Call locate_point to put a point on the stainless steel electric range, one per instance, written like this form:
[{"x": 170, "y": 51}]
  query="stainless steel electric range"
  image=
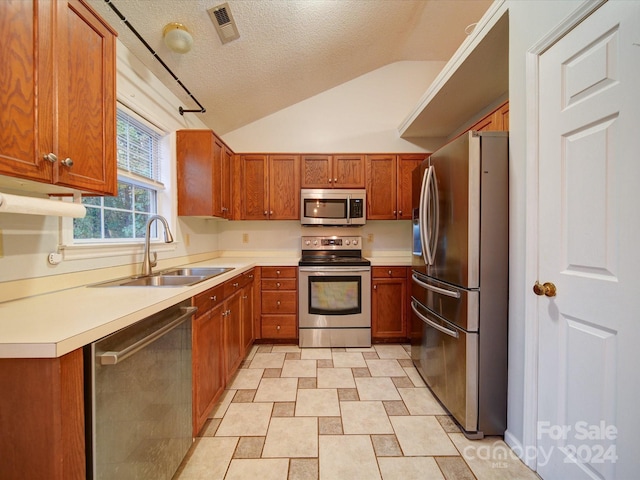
[{"x": 334, "y": 308}]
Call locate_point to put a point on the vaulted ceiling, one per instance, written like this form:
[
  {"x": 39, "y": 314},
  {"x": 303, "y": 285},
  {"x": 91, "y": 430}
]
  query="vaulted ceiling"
[{"x": 288, "y": 50}]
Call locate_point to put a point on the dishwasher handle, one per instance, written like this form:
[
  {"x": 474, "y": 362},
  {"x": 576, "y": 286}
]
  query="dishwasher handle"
[{"x": 112, "y": 358}]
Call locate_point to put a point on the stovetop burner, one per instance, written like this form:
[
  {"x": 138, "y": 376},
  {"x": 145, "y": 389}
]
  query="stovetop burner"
[{"x": 332, "y": 251}]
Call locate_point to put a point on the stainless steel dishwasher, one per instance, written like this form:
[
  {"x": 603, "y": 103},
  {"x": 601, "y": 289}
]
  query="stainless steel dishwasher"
[{"x": 138, "y": 398}]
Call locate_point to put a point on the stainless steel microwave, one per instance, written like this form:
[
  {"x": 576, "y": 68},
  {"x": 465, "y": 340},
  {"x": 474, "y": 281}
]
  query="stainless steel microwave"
[{"x": 319, "y": 206}]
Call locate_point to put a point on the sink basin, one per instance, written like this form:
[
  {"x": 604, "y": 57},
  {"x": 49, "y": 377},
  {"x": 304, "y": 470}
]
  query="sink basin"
[
  {"x": 197, "y": 271},
  {"x": 176, "y": 277}
]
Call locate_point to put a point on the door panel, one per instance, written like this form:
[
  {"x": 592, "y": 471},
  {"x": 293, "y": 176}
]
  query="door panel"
[{"x": 588, "y": 233}]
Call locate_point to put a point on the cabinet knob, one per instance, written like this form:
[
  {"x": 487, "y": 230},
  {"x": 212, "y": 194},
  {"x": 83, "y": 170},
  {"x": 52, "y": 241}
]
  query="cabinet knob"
[
  {"x": 50, "y": 157},
  {"x": 214, "y": 298},
  {"x": 265, "y": 213},
  {"x": 400, "y": 212},
  {"x": 67, "y": 162},
  {"x": 335, "y": 180},
  {"x": 278, "y": 284},
  {"x": 278, "y": 303},
  {"x": 389, "y": 272},
  {"x": 395, "y": 213},
  {"x": 329, "y": 180},
  {"x": 277, "y": 327},
  {"x": 277, "y": 272},
  {"x": 235, "y": 285},
  {"x": 375, "y": 287},
  {"x": 271, "y": 212}
]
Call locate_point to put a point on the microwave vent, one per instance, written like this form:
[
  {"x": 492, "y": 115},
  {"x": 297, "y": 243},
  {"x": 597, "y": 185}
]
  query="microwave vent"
[{"x": 224, "y": 23}]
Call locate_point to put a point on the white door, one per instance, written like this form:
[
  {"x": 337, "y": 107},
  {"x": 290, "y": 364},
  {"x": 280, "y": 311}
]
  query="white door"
[{"x": 589, "y": 248}]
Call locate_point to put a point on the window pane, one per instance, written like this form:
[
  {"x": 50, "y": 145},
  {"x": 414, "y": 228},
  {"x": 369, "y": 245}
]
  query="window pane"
[
  {"x": 144, "y": 200},
  {"x": 118, "y": 224},
  {"x": 89, "y": 226},
  {"x": 123, "y": 200},
  {"x": 141, "y": 223},
  {"x": 138, "y": 147}
]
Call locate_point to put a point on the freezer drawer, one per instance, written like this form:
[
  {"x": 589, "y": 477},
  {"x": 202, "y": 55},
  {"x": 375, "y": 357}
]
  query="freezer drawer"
[
  {"x": 457, "y": 305},
  {"x": 447, "y": 359}
]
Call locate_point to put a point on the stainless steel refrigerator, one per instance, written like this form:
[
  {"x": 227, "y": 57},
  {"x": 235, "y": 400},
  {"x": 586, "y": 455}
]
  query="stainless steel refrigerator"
[{"x": 459, "y": 289}]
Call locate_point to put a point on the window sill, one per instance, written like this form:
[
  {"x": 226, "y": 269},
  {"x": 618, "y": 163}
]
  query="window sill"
[{"x": 102, "y": 250}]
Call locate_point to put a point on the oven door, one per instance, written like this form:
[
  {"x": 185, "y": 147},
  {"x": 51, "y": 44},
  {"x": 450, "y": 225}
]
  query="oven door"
[{"x": 334, "y": 297}]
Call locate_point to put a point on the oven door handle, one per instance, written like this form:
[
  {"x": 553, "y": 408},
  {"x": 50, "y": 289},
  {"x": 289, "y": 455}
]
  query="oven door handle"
[
  {"x": 334, "y": 269},
  {"x": 431, "y": 323},
  {"x": 112, "y": 358},
  {"x": 433, "y": 288}
]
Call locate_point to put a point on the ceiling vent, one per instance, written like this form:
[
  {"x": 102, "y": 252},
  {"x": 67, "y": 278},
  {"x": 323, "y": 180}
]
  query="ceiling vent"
[{"x": 223, "y": 21}]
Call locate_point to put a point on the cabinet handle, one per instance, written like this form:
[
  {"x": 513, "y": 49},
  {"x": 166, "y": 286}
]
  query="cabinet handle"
[
  {"x": 235, "y": 285},
  {"x": 277, "y": 284},
  {"x": 329, "y": 180},
  {"x": 265, "y": 213},
  {"x": 277, "y": 272},
  {"x": 400, "y": 212},
  {"x": 67, "y": 162},
  {"x": 335, "y": 180},
  {"x": 271, "y": 212},
  {"x": 214, "y": 298},
  {"x": 389, "y": 272},
  {"x": 50, "y": 157},
  {"x": 395, "y": 213},
  {"x": 375, "y": 287},
  {"x": 278, "y": 303},
  {"x": 278, "y": 327},
  {"x": 245, "y": 297}
]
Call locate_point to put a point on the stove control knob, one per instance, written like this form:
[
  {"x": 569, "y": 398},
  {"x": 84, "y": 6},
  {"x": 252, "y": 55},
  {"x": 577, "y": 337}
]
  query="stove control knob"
[
  {"x": 348, "y": 242},
  {"x": 315, "y": 242},
  {"x": 355, "y": 241},
  {"x": 307, "y": 242}
]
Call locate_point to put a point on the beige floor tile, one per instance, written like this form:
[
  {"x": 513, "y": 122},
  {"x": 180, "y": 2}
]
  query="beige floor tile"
[
  {"x": 386, "y": 446},
  {"x": 315, "y": 353},
  {"x": 360, "y": 349},
  {"x": 246, "y": 378},
  {"x": 249, "y": 447},
  {"x": 454, "y": 468},
  {"x": 272, "y": 372},
  {"x": 370, "y": 355},
  {"x": 330, "y": 426},
  {"x": 317, "y": 402},
  {"x": 422, "y": 436},
  {"x": 222, "y": 405},
  {"x": 415, "y": 377},
  {"x": 291, "y": 437},
  {"x": 350, "y": 359},
  {"x": 405, "y": 362},
  {"x": 338, "y": 349},
  {"x": 409, "y": 468},
  {"x": 395, "y": 408},
  {"x": 402, "y": 382},
  {"x": 448, "y": 424},
  {"x": 307, "y": 382},
  {"x": 277, "y": 390},
  {"x": 299, "y": 368},
  {"x": 264, "y": 348},
  {"x": 391, "y": 351},
  {"x": 244, "y": 396},
  {"x": 325, "y": 363},
  {"x": 365, "y": 418},
  {"x": 492, "y": 459},
  {"x": 284, "y": 409},
  {"x": 385, "y": 368},
  {"x": 347, "y": 457},
  {"x": 262, "y": 468},
  {"x": 209, "y": 428},
  {"x": 208, "y": 459},
  {"x": 360, "y": 372},
  {"x": 245, "y": 419},
  {"x": 376, "y": 388},
  {"x": 420, "y": 401},
  {"x": 285, "y": 348},
  {"x": 348, "y": 394},
  {"x": 303, "y": 469},
  {"x": 293, "y": 356},
  {"x": 267, "y": 360},
  {"x": 335, "y": 378}
]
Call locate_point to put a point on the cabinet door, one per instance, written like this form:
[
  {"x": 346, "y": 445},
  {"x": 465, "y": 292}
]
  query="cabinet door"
[
  {"x": 196, "y": 159},
  {"x": 226, "y": 209},
  {"x": 247, "y": 316},
  {"x": 26, "y": 133},
  {"x": 406, "y": 164},
  {"x": 316, "y": 171},
  {"x": 348, "y": 171},
  {"x": 232, "y": 322},
  {"x": 388, "y": 305},
  {"x": 255, "y": 189},
  {"x": 86, "y": 103},
  {"x": 284, "y": 187},
  {"x": 381, "y": 187},
  {"x": 208, "y": 374}
]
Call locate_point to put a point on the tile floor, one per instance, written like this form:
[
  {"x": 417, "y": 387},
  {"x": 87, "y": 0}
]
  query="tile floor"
[{"x": 334, "y": 414}]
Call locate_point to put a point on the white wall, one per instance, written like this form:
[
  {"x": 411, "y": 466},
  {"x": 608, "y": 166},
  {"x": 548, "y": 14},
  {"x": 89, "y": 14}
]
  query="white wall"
[
  {"x": 529, "y": 21},
  {"x": 359, "y": 116}
]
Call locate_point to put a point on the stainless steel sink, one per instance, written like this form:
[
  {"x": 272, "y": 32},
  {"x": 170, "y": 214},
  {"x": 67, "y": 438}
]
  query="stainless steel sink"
[
  {"x": 197, "y": 271},
  {"x": 177, "y": 277}
]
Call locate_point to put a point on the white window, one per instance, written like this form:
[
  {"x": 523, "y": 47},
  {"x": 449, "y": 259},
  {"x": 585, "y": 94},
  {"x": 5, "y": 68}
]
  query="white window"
[{"x": 123, "y": 218}]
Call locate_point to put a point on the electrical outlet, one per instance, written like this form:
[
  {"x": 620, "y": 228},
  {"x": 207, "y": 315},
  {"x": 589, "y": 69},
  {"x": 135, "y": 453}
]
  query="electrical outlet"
[
  {"x": 245, "y": 238},
  {"x": 370, "y": 238}
]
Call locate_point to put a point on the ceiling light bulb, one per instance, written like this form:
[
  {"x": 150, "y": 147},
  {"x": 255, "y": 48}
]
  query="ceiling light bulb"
[{"x": 177, "y": 37}]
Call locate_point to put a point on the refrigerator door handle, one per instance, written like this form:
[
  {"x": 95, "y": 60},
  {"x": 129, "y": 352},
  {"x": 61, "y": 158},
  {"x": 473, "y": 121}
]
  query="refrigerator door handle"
[
  {"x": 433, "y": 288},
  {"x": 422, "y": 214},
  {"x": 445, "y": 330},
  {"x": 434, "y": 214}
]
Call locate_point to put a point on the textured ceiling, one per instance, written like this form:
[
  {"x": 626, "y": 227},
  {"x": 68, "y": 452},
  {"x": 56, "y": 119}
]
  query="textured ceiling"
[{"x": 288, "y": 50}]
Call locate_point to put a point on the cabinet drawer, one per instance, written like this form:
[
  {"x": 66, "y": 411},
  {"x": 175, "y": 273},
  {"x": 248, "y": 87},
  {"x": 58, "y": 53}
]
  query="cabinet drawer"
[
  {"x": 284, "y": 284},
  {"x": 232, "y": 286},
  {"x": 208, "y": 299},
  {"x": 279, "y": 326},
  {"x": 279, "y": 272},
  {"x": 279, "y": 302},
  {"x": 388, "y": 272}
]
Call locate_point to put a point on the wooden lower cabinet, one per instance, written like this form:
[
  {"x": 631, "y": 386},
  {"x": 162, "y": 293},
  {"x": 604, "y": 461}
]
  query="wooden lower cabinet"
[
  {"x": 42, "y": 418},
  {"x": 279, "y": 303},
  {"x": 388, "y": 303}
]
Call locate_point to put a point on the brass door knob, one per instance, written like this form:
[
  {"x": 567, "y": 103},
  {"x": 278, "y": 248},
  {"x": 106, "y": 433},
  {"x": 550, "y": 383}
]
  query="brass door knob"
[{"x": 548, "y": 289}]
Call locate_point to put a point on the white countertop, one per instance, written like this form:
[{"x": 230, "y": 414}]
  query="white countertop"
[{"x": 54, "y": 324}]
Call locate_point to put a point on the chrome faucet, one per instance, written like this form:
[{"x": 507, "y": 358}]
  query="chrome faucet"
[{"x": 147, "y": 263}]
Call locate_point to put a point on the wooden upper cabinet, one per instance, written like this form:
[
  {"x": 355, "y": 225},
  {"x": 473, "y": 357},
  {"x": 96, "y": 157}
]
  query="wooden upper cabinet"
[
  {"x": 389, "y": 185},
  {"x": 269, "y": 187},
  {"x": 332, "y": 171},
  {"x": 204, "y": 174},
  {"x": 57, "y": 95},
  {"x": 496, "y": 121}
]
